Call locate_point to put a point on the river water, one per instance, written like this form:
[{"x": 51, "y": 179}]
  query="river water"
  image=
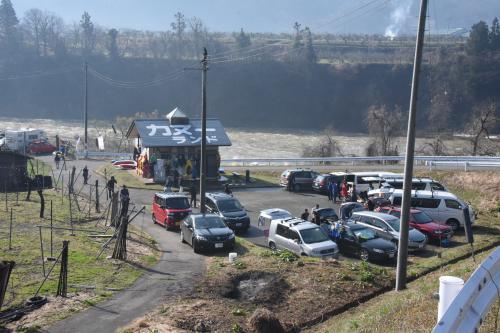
[{"x": 245, "y": 143}]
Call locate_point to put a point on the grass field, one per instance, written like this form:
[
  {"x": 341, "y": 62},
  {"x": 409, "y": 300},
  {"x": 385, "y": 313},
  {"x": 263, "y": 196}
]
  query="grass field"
[{"x": 102, "y": 275}]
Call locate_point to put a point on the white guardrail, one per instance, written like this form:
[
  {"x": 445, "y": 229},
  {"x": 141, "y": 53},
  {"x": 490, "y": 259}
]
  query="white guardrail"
[{"x": 469, "y": 308}]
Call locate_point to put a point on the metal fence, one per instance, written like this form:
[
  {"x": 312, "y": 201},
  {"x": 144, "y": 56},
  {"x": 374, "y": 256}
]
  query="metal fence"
[{"x": 472, "y": 304}]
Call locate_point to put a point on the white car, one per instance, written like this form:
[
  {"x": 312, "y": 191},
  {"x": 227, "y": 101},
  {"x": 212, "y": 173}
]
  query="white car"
[
  {"x": 439, "y": 205},
  {"x": 301, "y": 237}
]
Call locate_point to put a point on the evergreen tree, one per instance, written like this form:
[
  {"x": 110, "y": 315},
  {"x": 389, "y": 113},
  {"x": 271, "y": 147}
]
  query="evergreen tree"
[
  {"x": 478, "y": 41},
  {"x": 89, "y": 37},
  {"x": 242, "y": 39},
  {"x": 297, "y": 42},
  {"x": 495, "y": 35},
  {"x": 8, "y": 27},
  {"x": 310, "y": 53},
  {"x": 113, "y": 44}
]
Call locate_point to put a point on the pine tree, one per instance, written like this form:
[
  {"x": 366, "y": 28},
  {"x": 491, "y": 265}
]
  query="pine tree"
[
  {"x": 89, "y": 37},
  {"x": 297, "y": 43},
  {"x": 242, "y": 39},
  {"x": 8, "y": 26},
  {"x": 478, "y": 41},
  {"x": 113, "y": 44},
  {"x": 310, "y": 53},
  {"x": 495, "y": 35}
]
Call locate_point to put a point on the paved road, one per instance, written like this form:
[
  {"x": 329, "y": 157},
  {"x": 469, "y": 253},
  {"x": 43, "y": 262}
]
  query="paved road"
[{"x": 174, "y": 275}]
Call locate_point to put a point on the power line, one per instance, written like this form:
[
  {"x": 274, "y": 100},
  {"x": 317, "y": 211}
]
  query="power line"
[{"x": 40, "y": 74}]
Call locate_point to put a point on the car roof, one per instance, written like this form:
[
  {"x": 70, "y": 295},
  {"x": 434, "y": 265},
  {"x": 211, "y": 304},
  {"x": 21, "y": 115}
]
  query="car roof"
[
  {"x": 200, "y": 216},
  {"x": 355, "y": 226},
  {"x": 398, "y": 209},
  {"x": 219, "y": 196},
  {"x": 297, "y": 223},
  {"x": 323, "y": 208},
  {"x": 383, "y": 216},
  {"x": 414, "y": 180},
  {"x": 428, "y": 194},
  {"x": 165, "y": 195},
  {"x": 274, "y": 211},
  {"x": 370, "y": 173}
]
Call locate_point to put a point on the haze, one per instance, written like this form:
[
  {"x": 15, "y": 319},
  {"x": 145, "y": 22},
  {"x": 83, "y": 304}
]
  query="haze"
[{"x": 271, "y": 16}]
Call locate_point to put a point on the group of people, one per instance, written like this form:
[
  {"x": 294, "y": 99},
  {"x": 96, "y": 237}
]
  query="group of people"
[
  {"x": 341, "y": 191},
  {"x": 124, "y": 194}
]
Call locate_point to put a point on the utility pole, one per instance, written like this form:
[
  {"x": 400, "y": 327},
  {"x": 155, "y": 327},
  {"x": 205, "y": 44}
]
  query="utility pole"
[
  {"x": 410, "y": 149},
  {"x": 85, "y": 110},
  {"x": 203, "y": 164}
]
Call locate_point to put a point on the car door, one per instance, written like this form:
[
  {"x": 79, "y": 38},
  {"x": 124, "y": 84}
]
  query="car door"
[
  {"x": 293, "y": 242},
  {"x": 348, "y": 242},
  {"x": 281, "y": 236},
  {"x": 210, "y": 205},
  {"x": 381, "y": 228},
  {"x": 452, "y": 210},
  {"x": 187, "y": 229}
]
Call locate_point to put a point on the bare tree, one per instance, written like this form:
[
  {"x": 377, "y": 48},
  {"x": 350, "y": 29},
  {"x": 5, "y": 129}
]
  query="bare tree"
[
  {"x": 178, "y": 26},
  {"x": 32, "y": 24},
  {"x": 484, "y": 118},
  {"x": 384, "y": 126},
  {"x": 327, "y": 146}
]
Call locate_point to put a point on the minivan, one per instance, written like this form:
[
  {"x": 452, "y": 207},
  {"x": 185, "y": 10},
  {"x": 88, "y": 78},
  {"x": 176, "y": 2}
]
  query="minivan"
[
  {"x": 169, "y": 209},
  {"x": 301, "y": 237},
  {"x": 419, "y": 184},
  {"x": 362, "y": 180},
  {"x": 439, "y": 205},
  {"x": 303, "y": 179}
]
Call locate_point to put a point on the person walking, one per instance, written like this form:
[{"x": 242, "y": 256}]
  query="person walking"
[
  {"x": 192, "y": 191},
  {"x": 168, "y": 184},
  {"x": 111, "y": 186},
  {"x": 305, "y": 215},
  {"x": 335, "y": 192},
  {"x": 329, "y": 190},
  {"x": 85, "y": 174}
]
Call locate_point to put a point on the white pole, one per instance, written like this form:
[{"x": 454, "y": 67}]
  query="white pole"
[{"x": 449, "y": 287}]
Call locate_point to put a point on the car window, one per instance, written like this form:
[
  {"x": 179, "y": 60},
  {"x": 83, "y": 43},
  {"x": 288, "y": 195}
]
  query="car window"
[
  {"x": 306, "y": 174},
  {"x": 395, "y": 213},
  {"x": 230, "y": 205},
  {"x": 452, "y": 204},
  {"x": 421, "y": 218},
  {"x": 365, "y": 234},
  {"x": 293, "y": 235},
  {"x": 396, "y": 185},
  {"x": 417, "y": 186},
  {"x": 208, "y": 222},
  {"x": 425, "y": 202},
  {"x": 349, "y": 178},
  {"x": 396, "y": 201},
  {"x": 159, "y": 201},
  {"x": 313, "y": 235},
  {"x": 437, "y": 187},
  {"x": 189, "y": 220},
  {"x": 210, "y": 204},
  {"x": 177, "y": 203},
  {"x": 365, "y": 219},
  {"x": 281, "y": 230},
  {"x": 378, "y": 223}
]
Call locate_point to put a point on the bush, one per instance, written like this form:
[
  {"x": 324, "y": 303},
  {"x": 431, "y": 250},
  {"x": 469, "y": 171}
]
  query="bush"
[{"x": 285, "y": 255}]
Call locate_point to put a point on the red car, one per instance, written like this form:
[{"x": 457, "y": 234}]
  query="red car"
[
  {"x": 421, "y": 221},
  {"x": 40, "y": 147},
  {"x": 169, "y": 209}
]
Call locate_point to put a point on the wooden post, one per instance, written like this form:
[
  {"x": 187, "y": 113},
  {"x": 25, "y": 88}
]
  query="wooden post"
[
  {"x": 10, "y": 231},
  {"x": 62, "y": 286},
  {"x": 51, "y": 231},
  {"x": 41, "y": 249},
  {"x": 97, "y": 209},
  {"x": 114, "y": 209}
]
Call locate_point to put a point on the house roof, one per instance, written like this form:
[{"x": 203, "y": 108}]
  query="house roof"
[{"x": 162, "y": 133}]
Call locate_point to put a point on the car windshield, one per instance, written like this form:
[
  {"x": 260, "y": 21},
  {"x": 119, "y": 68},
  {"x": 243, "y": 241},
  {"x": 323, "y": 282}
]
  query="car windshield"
[
  {"x": 313, "y": 235},
  {"x": 227, "y": 206},
  {"x": 365, "y": 234},
  {"x": 208, "y": 222},
  {"x": 394, "y": 223},
  {"x": 327, "y": 213},
  {"x": 177, "y": 203},
  {"x": 280, "y": 215},
  {"x": 421, "y": 218}
]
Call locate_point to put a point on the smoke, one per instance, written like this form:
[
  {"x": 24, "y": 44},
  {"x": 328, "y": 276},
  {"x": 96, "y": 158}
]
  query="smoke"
[{"x": 399, "y": 16}]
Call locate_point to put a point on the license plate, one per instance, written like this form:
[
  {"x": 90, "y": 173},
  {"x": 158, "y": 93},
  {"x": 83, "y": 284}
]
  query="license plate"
[
  {"x": 391, "y": 255},
  {"x": 421, "y": 245},
  {"x": 238, "y": 224},
  {"x": 219, "y": 245}
]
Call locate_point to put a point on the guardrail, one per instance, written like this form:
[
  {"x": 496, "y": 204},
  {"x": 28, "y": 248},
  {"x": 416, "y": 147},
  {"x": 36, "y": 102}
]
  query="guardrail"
[
  {"x": 104, "y": 154},
  {"x": 468, "y": 310}
]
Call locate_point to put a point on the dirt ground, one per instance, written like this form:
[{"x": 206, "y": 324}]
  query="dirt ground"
[{"x": 297, "y": 292}]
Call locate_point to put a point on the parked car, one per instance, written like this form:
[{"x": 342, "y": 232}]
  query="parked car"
[
  {"x": 439, "y": 205},
  {"x": 206, "y": 232},
  {"x": 419, "y": 184},
  {"x": 326, "y": 214},
  {"x": 320, "y": 183},
  {"x": 301, "y": 237},
  {"x": 421, "y": 221},
  {"x": 362, "y": 180},
  {"x": 169, "y": 209},
  {"x": 229, "y": 209},
  {"x": 40, "y": 147},
  {"x": 303, "y": 179},
  {"x": 359, "y": 240},
  {"x": 267, "y": 215},
  {"x": 347, "y": 208},
  {"x": 387, "y": 227}
]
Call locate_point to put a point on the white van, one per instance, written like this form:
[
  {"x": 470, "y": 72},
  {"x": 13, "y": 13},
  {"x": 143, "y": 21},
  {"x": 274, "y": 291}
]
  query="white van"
[
  {"x": 362, "y": 180},
  {"x": 440, "y": 205},
  {"x": 419, "y": 184},
  {"x": 302, "y": 238}
]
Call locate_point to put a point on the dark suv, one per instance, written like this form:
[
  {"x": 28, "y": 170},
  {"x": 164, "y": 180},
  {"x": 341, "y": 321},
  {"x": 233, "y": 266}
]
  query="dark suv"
[
  {"x": 229, "y": 209},
  {"x": 303, "y": 178},
  {"x": 320, "y": 183}
]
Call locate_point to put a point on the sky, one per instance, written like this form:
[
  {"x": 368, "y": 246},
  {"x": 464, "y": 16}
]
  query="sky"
[{"x": 337, "y": 16}]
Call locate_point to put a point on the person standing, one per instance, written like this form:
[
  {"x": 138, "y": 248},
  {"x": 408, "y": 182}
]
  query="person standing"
[
  {"x": 111, "y": 186},
  {"x": 57, "y": 160},
  {"x": 329, "y": 190},
  {"x": 335, "y": 192},
  {"x": 354, "y": 195},
  {"x": 343, "y": 190},
  {"x": 85, "y": 174},
  {"x": 227, "y": 190},
  {"x": 305, "y": 215},
  {"x": 192, "y": 191}
]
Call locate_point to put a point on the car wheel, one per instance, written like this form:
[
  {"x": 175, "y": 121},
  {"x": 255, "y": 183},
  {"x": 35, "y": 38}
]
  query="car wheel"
[
  {"x": 153, "y": 218},
  {"x": 182, "y": 237},
  {"x": 296, "y": 187},
  {"x": 364, "y": 255},
  {"x": 196, "y": 247},
  {"x": 454, "y": 224},
  {"x": 272, "y": 246}
]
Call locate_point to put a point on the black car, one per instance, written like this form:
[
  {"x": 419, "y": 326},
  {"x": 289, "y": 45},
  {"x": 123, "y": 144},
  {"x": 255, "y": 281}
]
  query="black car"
[
  {"x": 326, "y": 214},
  {"x": 361, "y": 241},
  {"x": 229, "y": 209},
  {"x": 206, "y": 232},
  {"x": 320, "y": 183}
]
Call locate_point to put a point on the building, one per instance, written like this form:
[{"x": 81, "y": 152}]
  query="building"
[
  {"x": 172, "y": 146},
  {"x": 13, "y": 171}
]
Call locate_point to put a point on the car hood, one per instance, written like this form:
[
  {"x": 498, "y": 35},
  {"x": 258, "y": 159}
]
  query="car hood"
[
  {"x": 416, "y": 236},
  {"x": 379, "y": 243},
  {"x": 239, "y": 213},
  {"x": 214, "y": 231},
  {"x": 432, "y": 226},
  {"x": 321, "y": 246}
]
